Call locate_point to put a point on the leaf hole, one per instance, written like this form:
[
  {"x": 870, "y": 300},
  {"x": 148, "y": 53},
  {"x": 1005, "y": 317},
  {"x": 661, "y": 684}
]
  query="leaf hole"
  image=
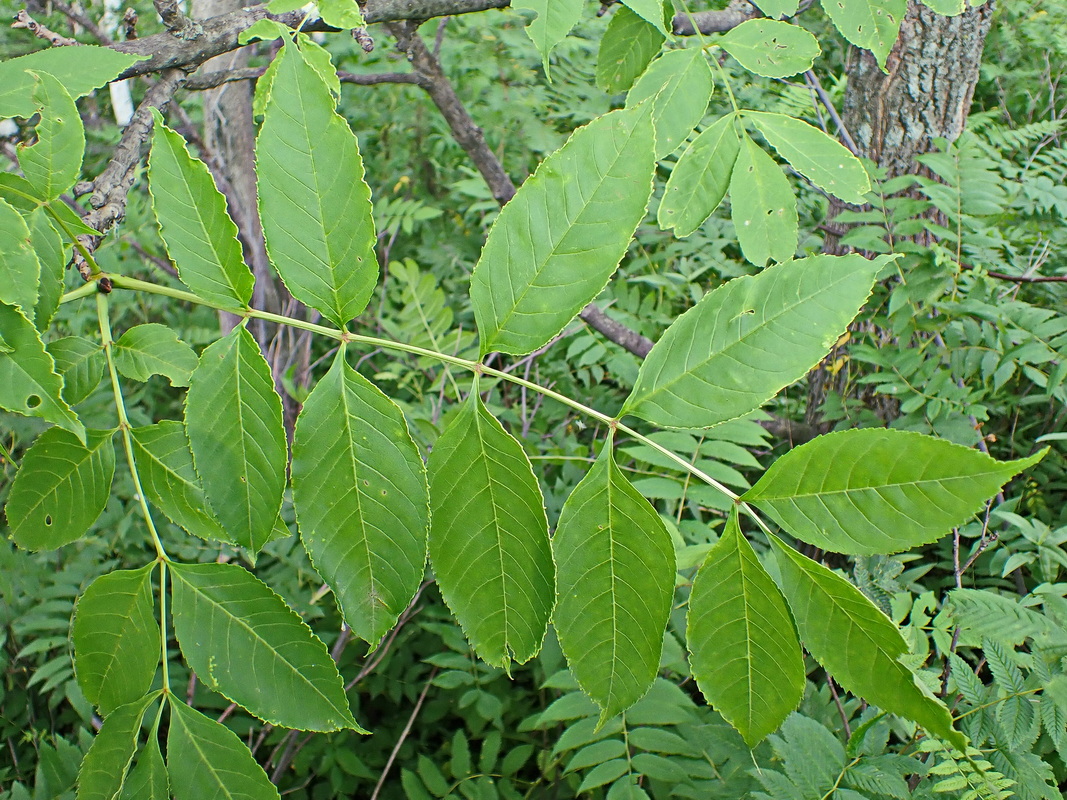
[
  {"x": 33, "y": 401},
  {"x": 47, "y": 519}
]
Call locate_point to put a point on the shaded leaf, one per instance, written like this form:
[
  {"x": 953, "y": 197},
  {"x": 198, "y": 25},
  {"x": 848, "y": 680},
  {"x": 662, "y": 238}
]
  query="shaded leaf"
[
  {"x": 745, "y": 655},
  {"x": 560, "y": 238},
  {"x": 234, "y": 420},
  {"x": 770, "y": 48},
  {"x": 198, "y": 232},
  {"x": 148, "y": 778},
  {"x": 343, "y": 14},
  {"x": 652, "y": 12},
  {"x": 154, "y": 349},
  {"x": 314, "y": 202},
  {"x": 553, "y": 22},
  {"x": 60, "y": 489},
  {"x": 369, "y": 541},
  {"x": 489, "y": 537},
  {"x": 52, "y": 254},
  {"x": 870, "y": 24},
  {"x": 874, "y": 491},
  {"x": 628, "y": 45},
  {"x": 711, "y": 364},
  {"x": 53, "y": 162},
  {"x": 680, "y": 83},
  {"x": 244, "y": 642},
  {"x": 775, "y": 9},
  {"x": 615, "y": 581},
  {"x": 856, "y": 642},
  {"x": 763, "y": 207},
  {"x": 104, "y": 769},
  {"x": 699, "y": 180},
  {"x": 80, "y": 362},
  {"x": 20, "y": 270},
  {"x": 116, "y": 638}
]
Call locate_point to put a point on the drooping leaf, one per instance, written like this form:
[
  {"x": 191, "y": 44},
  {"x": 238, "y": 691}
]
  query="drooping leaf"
[
  {"x": 629, "y": 43},
  {"x": 770, "y": 48},
  {"x": 680, "y": 83},
  {"x": 615, "y": 563},
  {"x": 368, "y": 542},
  {"x": 309, "y": 165},
  {"x": 148, "y": 778},
  {"x": 79, "y": 69},
  {"x": 52, "y": 255},
  {"x": 234, "y": 420},
  {"x": 198, "y": 232},
  {"x": 699, "y": 180},
  {"x": 105, "y": 767},
  {"x": 875, "y": 490},
  {"x": 154, "y": 349},
  {"x": 762, "y": 205},
  {"x": 206, "y": 760},
  {"x": 116, "y": 638},
  {"x": 20, "y": 270},
  {"x": 856, "y": 642},
  {"x": 697, "y": 375},
  {"x": 60, "y": 489},
  {"x": 776, "y": 9},
  {"x": 870, "y": 24},
  {"x": 815, "y": 155},
  {"x": 553, "y": 22},
  {"x": 244, "y": 642},
  {"x": 315, "y": 55},
  {"x": 343, "y": 14},
  {"x": 29, "y": 384},
  {"x": 651, "y": 11},
  {"x": 745, "y": 655},
  {"x": 80, "y": 362},
  {"x": 53, "y": 162},
  {"x": 165, "y": 464},
  {"x": 556, "y": 244},
  {"x": 489, "y": 537}
]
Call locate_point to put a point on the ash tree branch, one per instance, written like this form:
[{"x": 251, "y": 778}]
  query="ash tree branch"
[
  {"x": 176, "y": 22},
  {"x": 24, "y": 20}
]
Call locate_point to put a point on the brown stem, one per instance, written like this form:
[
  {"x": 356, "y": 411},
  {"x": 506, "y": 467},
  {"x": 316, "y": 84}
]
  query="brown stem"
[
  {"x": 24, "y": 20},
  {"x": 176, "y": 22}
]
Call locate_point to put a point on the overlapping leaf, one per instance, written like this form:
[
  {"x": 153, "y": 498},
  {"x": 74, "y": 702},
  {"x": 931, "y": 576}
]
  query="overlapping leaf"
[
  {"x": 489, "y": 537},
  {"x": 368, "y": 542},
  {"x": 105, "y": 767},
  {"x": 80, "y": 362},
  {"x": 206, "y": 760},
  {"x": 615, "y": 581},
  {"x": 154, "y": 349},
  {"x": 28, "y": 381},
  {"x": 60, "y": 489},
  {"x": 856, "y": 642},
  {"x": 629, "y": 43},
  {"x": 770, "y": 48},
  {"x": 775, "y": 9},
  {"x": 870, "y": 24},
  {"x": 116, "y": 638},
  {"x": 148, "y": 778},
  {"x": 314, "y": 202},
  {"x": 679, "y": 83},
  {"x": 52, "y": 254},
  {"x": 699, "y": 180},
  {"x": 169, "y": 480},
  {"x": 234, "y": 420},
  {"x": 556, "y": 244},
  {"x": 712, "y": 364},
  {"x": 744, "y": 650},
  {"x": 762, "y": 206},
  {"x": 198, "y": 232},
  {"x": 651, "y": 11},
  {"x": 53, "y": 162},
  {"x": 875, "y": 490},
  {"x": 20, "y": 271},
  {"x": 553, "y": 22},
  {"x": 244, "y": 642}
]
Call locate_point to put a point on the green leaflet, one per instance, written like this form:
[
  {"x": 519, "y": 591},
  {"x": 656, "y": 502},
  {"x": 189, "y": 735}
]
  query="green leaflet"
[
  {"x": 206, "y": 760},
  {"x": 615, "y": 581},
  {"x": 651, "y": 11},
  {"x": 154, "y": 349},
  {"x": 169, "y": 480},
  {"x": 856, "y": 642},
  {"x": 60, "y": 489},
  {"x": 80, "y": 362},
  {"x": 20, "y": 271},
  {"x": 79, "y": 69},
  {"x": 116, "y": 638},
  {"x": 699, "y": 180},
  {"x": 53, "y": 162},
  {"x": 234, "y": 420},
  {"x": 680, "y": 83},
  {"x": 628, "y": 45},
  {"x": 870, "y": 24},
  {"x": 489, "y": 537},
  {"x": 245, "y": 643},
  {"x": 696, "y": 375},
  {"x": 815, "y": 155},
  {"x": 872, "y": 491},
  {"x": 744, "y": 650},
  {"x": 359, "y": 489},
  {"x": 343, "y": 14},
  {"x": 770, "y": 48},
  {"x": 776, "y": 9},
  {"x": 556, "y": 244},
  {"x": 105, "y": 767},
  {"x": 553, "y": 22},
  {"x": 762, "y": 205},
  {"x": 946, "y": 8},
  {"x": 200, "y": 236},
  {"x": 52, "y": 255},
  {"x": 148, "y": 778},
  {"x": 314, "y": 202},
  {"x": 315, "y": 55},
  {"x": 29, "y": 384}
]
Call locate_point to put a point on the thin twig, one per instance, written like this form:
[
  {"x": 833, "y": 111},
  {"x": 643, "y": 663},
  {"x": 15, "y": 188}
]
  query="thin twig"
[
  {"x": 24, "y": 20},
  {"x": 813, "y": 81},
  {"x": 403, "y": 734}
]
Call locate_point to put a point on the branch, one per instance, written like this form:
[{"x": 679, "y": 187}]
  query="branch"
[
  {"x": 1028, "y": 278},
  {"x": 77, "y": 17},
  {"x": 24, "y": 20},
  {"x": 210, "y": 80},
  {"x": 176, "y": 22},
  {"x": 705, "y": 22}
]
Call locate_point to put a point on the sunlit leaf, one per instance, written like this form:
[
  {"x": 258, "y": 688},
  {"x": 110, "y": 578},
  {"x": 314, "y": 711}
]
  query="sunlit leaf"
[
  {"x": 699, "y": 180},
  {"x": 53, "y": 162},
  {"x": 627, "y": 46},
  {"x": 343, "y": 14},
  {"x": 876, "y": 490},
  {"x": 870, "y": 24},
  {"x": 775, "y": 9},
  {"x": 489, "y": 537},
  {"x": 770, "y": 48},
  {"x": 154, "y": 349},
  {"x": 651, "y": 11},
  {"x": 615, "y": 563},
  {"x": 680, "y": 83},
  {"x": 52, "y": 254},
  {"x": 763, "y": 207},
  {"x": 553, "y": 22}
]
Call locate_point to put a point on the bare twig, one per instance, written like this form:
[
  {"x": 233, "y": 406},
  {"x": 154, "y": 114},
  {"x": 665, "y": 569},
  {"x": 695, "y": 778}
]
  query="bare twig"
[
  {"x": 705, "y": 22},
  {"x": 403, "y": 735},
  {"x": 816, "y": 86},
  {"x": 24, "y": 20},
  {"x": 76, "y": 16},
  {"x": 176, "y": 22}
]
